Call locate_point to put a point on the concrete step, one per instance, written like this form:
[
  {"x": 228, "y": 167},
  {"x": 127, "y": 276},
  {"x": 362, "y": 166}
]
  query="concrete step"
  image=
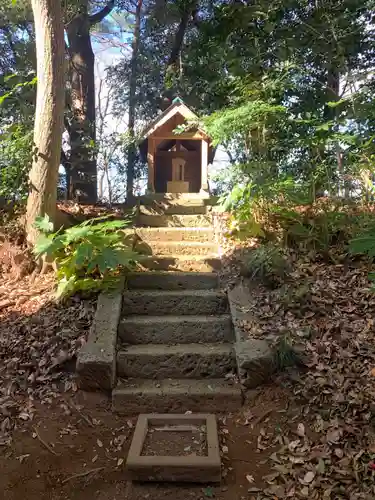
[
  {"x": 183, "y": 248},
  {"x": 157, "y": 361},
  {"x": 201, "y": 234},
  {"x": 169, "y": 280},
  {"x": 134, "y": 396},
  {"x": 178, "y": 199},
  {"x": 194, "y": 263},
  {"x": 176, "y": 329},
  {"x": 174, "y": 220},
  {"x": 159, "y": 208},
  {"x": 176, "y": 303}
]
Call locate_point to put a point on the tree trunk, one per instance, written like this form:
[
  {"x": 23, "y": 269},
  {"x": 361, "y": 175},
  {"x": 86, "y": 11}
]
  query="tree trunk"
[
  {"x": 49, "y": 113},
  {"x": 131, "y": 157},
  {"x": 83, "y": 186},
  {"x": 82, "y": 131}
]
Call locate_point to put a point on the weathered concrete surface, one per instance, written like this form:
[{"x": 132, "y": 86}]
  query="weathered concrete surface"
[
  {"x": 133, "y": 396},
  {"x": 174, "y": 220},
  {"x": 188, "y": 208},
  {"x": 187, "y": 468},
  {"x": 194, "y": 263},
  {"x": 176, "y": 361},
  {"x": 169, "y": 280},
  {"x": 184, "y": 248},
  {"x": 96, "y": 361},
  {"x": 178, "y": 199},
  {"x": 255, "y": 358},
  {"x": 181, "y": 302},
  {"x": 255, "y": 362},
  {"x": 176, "y": 329},
  {"x": 176, "y": 233}
]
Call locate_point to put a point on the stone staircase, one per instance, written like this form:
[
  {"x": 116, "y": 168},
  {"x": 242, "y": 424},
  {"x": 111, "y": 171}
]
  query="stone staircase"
[{"x": 175, "y": 338}]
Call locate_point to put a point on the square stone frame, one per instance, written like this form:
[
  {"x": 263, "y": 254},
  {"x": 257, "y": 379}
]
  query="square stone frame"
[{"x": 194, "y": 469}]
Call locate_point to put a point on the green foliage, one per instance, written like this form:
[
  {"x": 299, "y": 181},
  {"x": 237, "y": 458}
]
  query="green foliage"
[
  {"x": 15, "y": 161},
  {"x": 265, "y": 263},
  {"x": 88, "y": 256},
  {"x": 364, "y": 243},
  {"x": 285, "y": 354}
]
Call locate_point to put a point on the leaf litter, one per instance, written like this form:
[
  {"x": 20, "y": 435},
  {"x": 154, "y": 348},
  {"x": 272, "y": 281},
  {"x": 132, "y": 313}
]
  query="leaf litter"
[
  {"x": 39, "y": 340},
  {"x": 328, "y": 313},
  {"x": 328, "y": 449}
]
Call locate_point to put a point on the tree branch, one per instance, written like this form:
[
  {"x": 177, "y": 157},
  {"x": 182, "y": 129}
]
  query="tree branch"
[
  {"x": 99, "y": 16},
  {"x": 179, "y": 38},
  {"x": 190, "y": 10}
]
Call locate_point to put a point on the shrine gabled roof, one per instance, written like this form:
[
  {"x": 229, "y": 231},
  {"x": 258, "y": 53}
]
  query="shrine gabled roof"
[{"x": 177, "y": 107}]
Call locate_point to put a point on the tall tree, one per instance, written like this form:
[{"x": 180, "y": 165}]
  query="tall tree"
[
  {"x": 81, "y": 123},
  {"x": 48, "y": 125},
  {"x": 131, "y": 157}
]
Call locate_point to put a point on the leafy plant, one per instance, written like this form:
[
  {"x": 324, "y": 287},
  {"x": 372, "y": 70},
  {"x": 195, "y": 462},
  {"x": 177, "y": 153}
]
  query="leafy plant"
[
  {"x": 285, "y": 354},
  {"x": 15, "y": 161},
  {"x": 265, "y": 263},
  {"x": 364, "y": 243},
  {"x": 88, "y": 256}
]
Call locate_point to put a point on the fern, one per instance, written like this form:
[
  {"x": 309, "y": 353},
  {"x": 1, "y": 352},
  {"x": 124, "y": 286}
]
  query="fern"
[{"x": 88, "y": 256}]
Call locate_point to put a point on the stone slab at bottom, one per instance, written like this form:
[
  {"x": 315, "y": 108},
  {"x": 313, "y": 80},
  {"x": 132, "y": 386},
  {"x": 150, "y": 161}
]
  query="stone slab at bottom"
[
  {"x": 134, "y": 396},
  {"x": 175, "y": 468}
]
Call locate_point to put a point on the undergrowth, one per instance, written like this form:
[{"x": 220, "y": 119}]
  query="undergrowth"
[{"x": 87, "y": 257}]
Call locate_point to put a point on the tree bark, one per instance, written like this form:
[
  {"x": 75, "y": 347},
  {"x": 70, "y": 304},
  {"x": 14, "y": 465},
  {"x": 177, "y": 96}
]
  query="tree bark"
[
  {"x": 189, "y": 11},
  {"x": 131, "y": 156},
  {"x": 83, "y": 186},
  {"x": 49, "y": 113}
]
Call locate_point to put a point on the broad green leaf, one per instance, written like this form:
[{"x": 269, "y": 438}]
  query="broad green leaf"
[
  {"x": 66, "y": 287},
  {"x": 43, "y": 224},
  {"x": 83, "y": 254},
  {"x": 48, "y": 245},
  {"x": 74, "y": 234}
]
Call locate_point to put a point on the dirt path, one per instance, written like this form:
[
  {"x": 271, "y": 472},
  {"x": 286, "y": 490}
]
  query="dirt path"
[{"x": 76, "y": 449}]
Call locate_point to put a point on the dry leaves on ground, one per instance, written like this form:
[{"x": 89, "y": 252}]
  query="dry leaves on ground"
[
  {"x": 39, "y": 340},
  {"x": 329, "y": 312}
]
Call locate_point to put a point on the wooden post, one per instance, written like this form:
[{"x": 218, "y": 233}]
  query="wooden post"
[
  {"x": 204, "y": 167},
  {"x": 151, "y": 166}
]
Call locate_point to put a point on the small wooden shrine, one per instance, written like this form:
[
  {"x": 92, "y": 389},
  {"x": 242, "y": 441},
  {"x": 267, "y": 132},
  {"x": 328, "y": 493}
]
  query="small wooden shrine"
[{"x": 177, "y": 162}]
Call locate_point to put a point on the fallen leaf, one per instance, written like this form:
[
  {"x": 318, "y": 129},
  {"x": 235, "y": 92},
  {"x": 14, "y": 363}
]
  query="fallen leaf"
[
  {"x": 301, "y": 430},
  {"x": 309, "y": 476}
]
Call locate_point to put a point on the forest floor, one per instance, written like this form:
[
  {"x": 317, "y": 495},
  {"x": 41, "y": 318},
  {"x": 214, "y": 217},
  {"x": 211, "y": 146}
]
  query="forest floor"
[{"x": 308, "y": 434}]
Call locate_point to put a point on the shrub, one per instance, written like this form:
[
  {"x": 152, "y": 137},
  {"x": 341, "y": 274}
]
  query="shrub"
[
  {"x": 88, "y": 256},
  {"x": 265, "y": 263}
]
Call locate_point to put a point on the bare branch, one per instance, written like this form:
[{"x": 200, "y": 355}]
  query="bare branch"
[{"x": 99, "y": 16}]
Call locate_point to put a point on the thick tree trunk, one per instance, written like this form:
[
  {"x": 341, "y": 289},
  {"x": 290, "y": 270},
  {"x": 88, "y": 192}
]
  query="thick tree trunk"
[
  {"x": 131, "y": 157},
  {"x": 82, "y": 131},
  {"x": 49, "y": 112},
  {"x": 83, "y": 186}
]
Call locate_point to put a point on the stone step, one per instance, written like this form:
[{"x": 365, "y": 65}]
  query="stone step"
[
  {"x": 174, "y": 209},
  {"x": 134, "y": 396},
  {"x": 178, "y": 199},
  {"x": 201, "y": 234},
  {"x": 174, "y": 220},
  {"x": 175, "y": 302},
  {"x": 169, "y": 280},
  {"x": 193, "y": 263},
  {"x": 183, "y": 248},
  {"x": 176, "y": 329},
  {"x": 157, "y": 361}
]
